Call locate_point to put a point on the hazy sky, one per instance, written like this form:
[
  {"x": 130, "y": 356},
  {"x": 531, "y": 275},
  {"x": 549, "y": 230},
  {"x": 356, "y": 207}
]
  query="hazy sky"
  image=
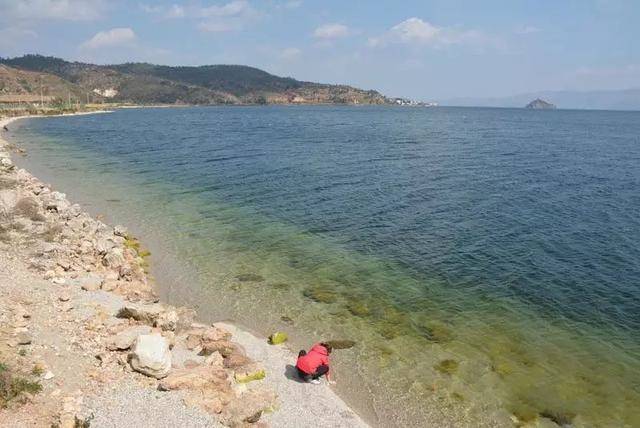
[{"x": 419, "y": 49}]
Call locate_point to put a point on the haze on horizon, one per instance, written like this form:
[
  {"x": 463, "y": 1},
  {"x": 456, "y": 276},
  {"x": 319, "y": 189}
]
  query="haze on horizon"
[{"x": 424, "y": 50}]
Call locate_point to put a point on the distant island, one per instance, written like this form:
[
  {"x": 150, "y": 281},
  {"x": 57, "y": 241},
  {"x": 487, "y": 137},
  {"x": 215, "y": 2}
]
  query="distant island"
[
  {"x": 54, "y": 79},
  {"x": 539, "y": 104}
]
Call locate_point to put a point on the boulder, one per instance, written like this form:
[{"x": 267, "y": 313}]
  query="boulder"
[
  {"x": 167, "y": 320},
  {"x": 236, "y": 360},
  {"x": 151, "y": 356},
  {"x": 125, "y": 339},
  {"x": 224, "y": 347},
  {"x": 249, "y": 407},
  {"x": 147, "y": 314},
  {"x": 198, "y": 378}
]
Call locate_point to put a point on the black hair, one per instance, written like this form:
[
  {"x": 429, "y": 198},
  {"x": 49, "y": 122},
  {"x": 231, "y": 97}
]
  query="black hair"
[{"x": 327, "y": 346}]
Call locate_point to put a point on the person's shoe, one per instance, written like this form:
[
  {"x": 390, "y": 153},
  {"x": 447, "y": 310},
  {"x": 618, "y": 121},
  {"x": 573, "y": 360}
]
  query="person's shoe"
[{"x": 315, "y": 381}]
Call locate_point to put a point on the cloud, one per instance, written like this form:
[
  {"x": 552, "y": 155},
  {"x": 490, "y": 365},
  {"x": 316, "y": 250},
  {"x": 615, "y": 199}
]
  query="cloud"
[
  {"x": 231, "y": 16},
  {"x": 111, "y": 38},
  {"x": 68, "y": 10},
  {"x": 528, "y": 29},
  {"x": 331, "y": 31},
  {"x": 416, "y": 32},
  {"x": 290, "y": 53},
  {"x": 10, "y": 36}
]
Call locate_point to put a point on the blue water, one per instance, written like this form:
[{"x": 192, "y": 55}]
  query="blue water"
[{"x": 505, "y": 239}]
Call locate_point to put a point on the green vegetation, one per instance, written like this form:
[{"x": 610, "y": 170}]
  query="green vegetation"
[{"x": 13, "y": 385}]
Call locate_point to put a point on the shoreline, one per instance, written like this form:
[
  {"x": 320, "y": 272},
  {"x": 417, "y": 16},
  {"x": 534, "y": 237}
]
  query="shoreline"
[{"x": 292, "y": 395}]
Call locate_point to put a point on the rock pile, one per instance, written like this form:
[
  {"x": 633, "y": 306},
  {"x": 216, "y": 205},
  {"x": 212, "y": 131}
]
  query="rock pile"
[{"x": 81, "y": 257}]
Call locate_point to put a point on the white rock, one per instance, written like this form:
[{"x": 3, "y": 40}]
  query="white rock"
[
  {"x": 114, "y": 258},
  {"x": 151, "y": 356},
  {"x": 126, "y": 338},
  {"x": 48, "y": 375},
  {"x": 88, "y": 283},
  {"x": 120, "y": 231}
]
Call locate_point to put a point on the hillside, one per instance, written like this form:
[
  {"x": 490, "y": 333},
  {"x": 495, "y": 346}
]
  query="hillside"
[
  {"x": 20, "y": 83},
  {"x": 142, "y": 83}
]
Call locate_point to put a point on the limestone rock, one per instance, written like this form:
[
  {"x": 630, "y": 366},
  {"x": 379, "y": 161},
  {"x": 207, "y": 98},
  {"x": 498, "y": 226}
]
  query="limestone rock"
[
  {"x": 249, "y": 407},
  {"x": 88, "y": 283},
  {"x": 119, "y": 230},
  {"x": 224, "y": 347},
  {"x": 147, "y": 314},
  {"x": 198, "y": 378},
  {"x": 235, "y": 360},
  {"x": 126, "y": 338},
  {"x": 151, "y": 356},
  {"x": 114, "y": 258}
]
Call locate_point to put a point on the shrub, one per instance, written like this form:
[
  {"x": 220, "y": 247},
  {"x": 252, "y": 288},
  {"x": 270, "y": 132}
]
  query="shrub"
[{"x": 29, "y": 208}]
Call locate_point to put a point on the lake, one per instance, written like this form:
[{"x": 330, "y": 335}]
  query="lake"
[{"x": 485, "y": 261}]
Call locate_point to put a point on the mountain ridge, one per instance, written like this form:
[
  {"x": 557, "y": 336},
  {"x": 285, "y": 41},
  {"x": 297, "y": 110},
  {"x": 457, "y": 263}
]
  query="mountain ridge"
[{"x": 145, "y": 83}]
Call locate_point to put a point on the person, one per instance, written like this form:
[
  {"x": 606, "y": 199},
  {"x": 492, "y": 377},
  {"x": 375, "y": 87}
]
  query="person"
[
  {"x": 314, "y": 364},
  {"x": 5, "y": 128}
]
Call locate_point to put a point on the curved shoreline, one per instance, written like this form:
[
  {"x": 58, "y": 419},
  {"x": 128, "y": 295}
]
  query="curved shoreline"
[{"x": 293, "y": 396}]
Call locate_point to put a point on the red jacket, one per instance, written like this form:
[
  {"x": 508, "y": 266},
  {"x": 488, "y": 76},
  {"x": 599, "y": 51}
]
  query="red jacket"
[{"x": 316, "y": 357}]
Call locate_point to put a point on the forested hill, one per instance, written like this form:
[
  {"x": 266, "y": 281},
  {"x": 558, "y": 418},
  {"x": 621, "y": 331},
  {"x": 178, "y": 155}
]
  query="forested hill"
[{"x": 142, "y": 83}]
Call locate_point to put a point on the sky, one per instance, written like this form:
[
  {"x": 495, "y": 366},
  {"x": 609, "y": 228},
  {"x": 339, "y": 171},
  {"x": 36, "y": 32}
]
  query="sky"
[{"x": 424, "y": 50}]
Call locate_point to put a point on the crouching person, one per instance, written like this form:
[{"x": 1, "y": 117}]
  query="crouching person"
[{"x": 314, "y": 364}]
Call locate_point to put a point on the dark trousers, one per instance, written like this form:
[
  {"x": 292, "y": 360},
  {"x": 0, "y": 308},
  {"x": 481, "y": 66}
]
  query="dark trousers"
[{"x": 322, "y": 369}]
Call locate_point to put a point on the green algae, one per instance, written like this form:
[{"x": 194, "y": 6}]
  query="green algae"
[
  {"x": 250, "y": 377},
  {"x": 321, "y": 294},
  {"x": 447, "y": 366},
  {"x": 250, "y": 277},
  {"x": 562, "y": 418},
  {"x": 280, "y": 285},
  {"x": 457, "y": 396},
  {"x": 434, "y": 331},
  {"x": 278, "y": 337}
]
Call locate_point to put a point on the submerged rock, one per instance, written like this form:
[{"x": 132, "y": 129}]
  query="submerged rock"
[
  {"x": 341, "y": 344},
  {"x": 447, "y": 366},
  {"x": 278, "y": 337},
  {"x": 435, "y": 332},
  {"x": 286, "y": 319},
  {"x": 321, "y": 295},
  {"x": 561, "y": 418},
  {"x": 359, "y": 309},
  {"x": 250, "y": 277}
]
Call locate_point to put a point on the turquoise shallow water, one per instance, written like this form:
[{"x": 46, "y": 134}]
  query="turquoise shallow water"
[{"x": 486, "y": 261}]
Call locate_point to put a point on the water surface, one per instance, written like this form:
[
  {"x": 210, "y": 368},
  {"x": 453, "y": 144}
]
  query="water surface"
[{"x": 486, "y": 261}]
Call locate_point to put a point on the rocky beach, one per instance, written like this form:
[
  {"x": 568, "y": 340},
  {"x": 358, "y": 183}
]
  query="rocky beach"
[{"x": 85, "y": 341}]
